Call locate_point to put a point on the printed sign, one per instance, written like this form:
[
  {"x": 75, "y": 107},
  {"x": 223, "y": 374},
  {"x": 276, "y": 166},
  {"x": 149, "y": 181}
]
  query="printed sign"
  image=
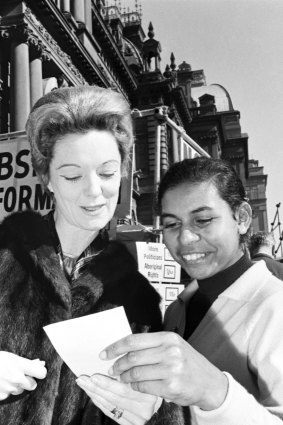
[
  {"x": 168, "y": 293},
  {"x": 19, "y": 186},
  {"x": 156, "y": 263}
]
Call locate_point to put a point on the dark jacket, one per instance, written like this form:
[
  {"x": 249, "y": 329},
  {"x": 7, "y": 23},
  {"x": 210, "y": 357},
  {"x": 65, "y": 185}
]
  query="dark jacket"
[
  {"x": 34, "y": 292},
  {"x": 273, "y": 265}
]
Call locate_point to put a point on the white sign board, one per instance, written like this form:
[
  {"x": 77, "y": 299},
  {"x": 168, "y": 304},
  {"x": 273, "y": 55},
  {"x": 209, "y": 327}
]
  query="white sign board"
[
  {"x": 168, "y": 293},
  {"x": 156, "y": 263},
  {"x": 19, "y": 186}
]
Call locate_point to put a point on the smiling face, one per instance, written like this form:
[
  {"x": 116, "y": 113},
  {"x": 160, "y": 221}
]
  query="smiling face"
[
  {"x": 200, "y": 230},
  {"x": 85, "y": 175}
]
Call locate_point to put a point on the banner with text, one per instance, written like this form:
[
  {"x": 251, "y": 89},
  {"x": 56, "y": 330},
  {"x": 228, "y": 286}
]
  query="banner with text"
[{"x": 19, "y": 186}]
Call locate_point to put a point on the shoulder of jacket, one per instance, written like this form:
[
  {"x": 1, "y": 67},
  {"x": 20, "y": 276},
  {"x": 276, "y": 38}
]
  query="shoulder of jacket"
[
  {"x": 27, "y": 227},
  {"x": 173, "y": 315},
  {"x": 19, "y": 218}
]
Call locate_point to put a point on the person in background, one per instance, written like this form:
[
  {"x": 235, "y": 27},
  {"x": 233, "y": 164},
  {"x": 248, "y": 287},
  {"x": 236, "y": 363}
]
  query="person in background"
[
  {"x": 220, "y": 354},
  {"x": 262, "y": 246},
  {"x": 63, "y": 265}
]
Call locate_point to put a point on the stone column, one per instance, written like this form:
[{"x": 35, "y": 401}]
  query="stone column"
[
  {"x": 20, "y": 84},
  {"x": 88, "y": 15},
  {"x": 77, "y": 10},
  {"x": 175, "y": 142},
  {"x": 181, "y": 147},
  {"x": 65, "y": 6},
  {"x": 36, "y": 84},
  {"x": 4, "y": 91}
]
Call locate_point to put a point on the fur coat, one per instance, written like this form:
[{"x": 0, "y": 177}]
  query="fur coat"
[{"x": 34, "y": 292}]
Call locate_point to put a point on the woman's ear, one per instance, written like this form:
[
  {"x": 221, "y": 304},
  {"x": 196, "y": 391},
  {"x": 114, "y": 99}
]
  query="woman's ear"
[{"x": 244, "y": 217}]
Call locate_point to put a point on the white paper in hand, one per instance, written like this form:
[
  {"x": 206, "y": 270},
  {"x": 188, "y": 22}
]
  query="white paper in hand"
[{"x": 79, "y": 341}]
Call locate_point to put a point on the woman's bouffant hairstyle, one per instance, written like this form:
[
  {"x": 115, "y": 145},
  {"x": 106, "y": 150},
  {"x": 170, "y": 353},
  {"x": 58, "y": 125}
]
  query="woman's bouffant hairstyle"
[
  {"x": 77, "y": 110},
  {"x": 203, "y": 169}
]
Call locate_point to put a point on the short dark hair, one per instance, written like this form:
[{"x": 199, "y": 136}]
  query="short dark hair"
[
  {"x": 202, "y": 169},
  {"x": 77, "y": 110},
  {"x": 259, "y": 239}
]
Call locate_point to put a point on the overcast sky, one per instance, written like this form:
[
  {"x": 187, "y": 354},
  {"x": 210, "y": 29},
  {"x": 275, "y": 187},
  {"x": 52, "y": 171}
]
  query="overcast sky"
[{"x": 238, "y": 44}]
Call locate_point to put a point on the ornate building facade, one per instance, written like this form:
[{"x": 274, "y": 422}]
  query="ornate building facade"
[{"x": 46, "y": 44}]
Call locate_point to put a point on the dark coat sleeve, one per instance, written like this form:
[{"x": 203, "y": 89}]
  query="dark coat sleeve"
[
  {"x": 126, "y": 286},
  {"x": 170, "y": 413},
  {"x": 142, "y": 304},
  {"x": 123, "y": 285}
]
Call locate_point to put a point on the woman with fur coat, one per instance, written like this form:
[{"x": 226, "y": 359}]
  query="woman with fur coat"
[{"x": 63, "y": 266}]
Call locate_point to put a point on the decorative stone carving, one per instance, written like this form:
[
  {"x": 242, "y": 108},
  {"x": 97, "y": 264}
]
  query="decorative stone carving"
[
  {"x": 53, "y": 46},
  {"x": 41, "y": 42},
  {"x": 30, "y": 30},
  {"x": 45, "y": 54},
  {"x": 151, "y": 48}
]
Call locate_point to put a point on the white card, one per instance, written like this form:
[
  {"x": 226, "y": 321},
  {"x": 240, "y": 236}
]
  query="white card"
[{"x": 79, "y": 341}]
